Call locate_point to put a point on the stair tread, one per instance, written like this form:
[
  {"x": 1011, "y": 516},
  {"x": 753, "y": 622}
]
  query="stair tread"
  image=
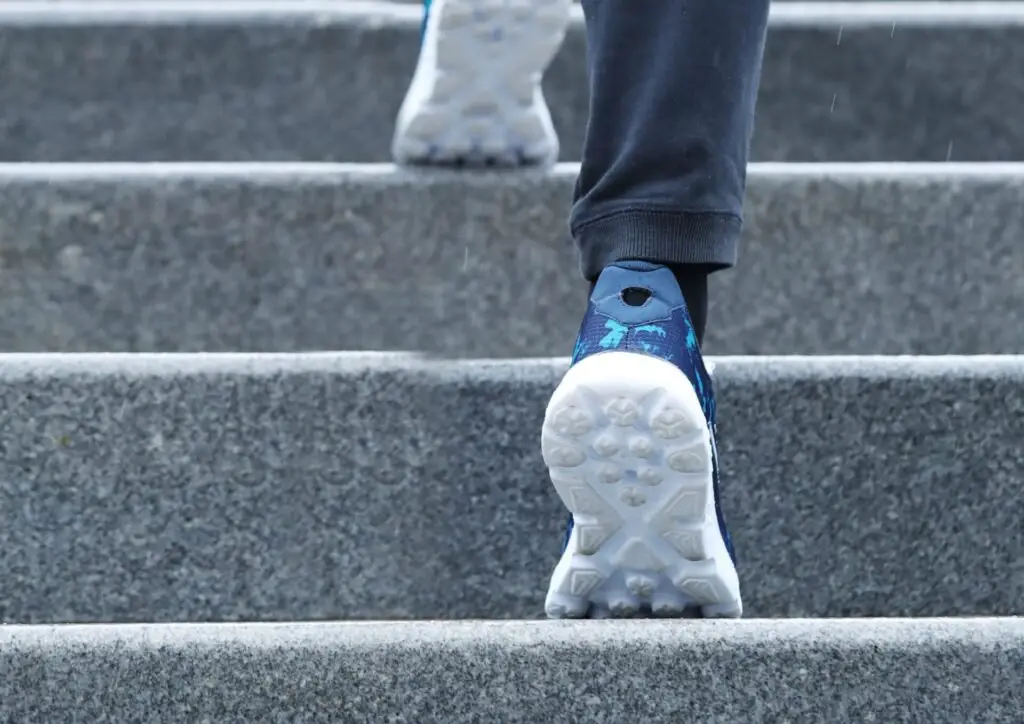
[{"x": 902, "y": 670}]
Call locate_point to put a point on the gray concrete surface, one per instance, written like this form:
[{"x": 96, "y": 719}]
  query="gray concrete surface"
[
  {"x": 202, "y": 488},
  {"x": 322, "y": 81},
  {"x": 836, "y": 259},
  {"x": 939, "y": 671}
]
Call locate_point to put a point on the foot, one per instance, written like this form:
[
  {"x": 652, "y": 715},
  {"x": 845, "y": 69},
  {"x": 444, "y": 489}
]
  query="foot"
[
  {"x": 475, "y": 98},
  {"x": 629, "y": 440}
]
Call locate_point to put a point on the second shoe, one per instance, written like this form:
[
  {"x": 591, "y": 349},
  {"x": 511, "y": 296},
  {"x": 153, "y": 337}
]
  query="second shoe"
[{"x": 475, "y": 98}]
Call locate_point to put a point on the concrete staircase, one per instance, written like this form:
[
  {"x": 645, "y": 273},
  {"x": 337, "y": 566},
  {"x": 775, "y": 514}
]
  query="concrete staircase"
[{"x": 278, "y": 534}]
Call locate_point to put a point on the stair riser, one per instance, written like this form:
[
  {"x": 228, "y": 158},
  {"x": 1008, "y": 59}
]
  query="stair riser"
[
  {"x": 834, "y": 259},
  {"x": 154, "y": 489},
  {"x": 230, "y": 82}
]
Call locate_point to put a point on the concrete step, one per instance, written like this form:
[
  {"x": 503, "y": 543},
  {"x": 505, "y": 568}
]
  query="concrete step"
[
  {"x": 847, "y": 258},
  {"x": 190, "y": 80},
  {"x": 952, "y": 670},
  {"x": 233, "y": 487}
]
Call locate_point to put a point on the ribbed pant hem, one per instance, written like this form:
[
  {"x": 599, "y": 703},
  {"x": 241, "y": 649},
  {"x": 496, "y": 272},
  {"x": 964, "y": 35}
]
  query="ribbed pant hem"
[{"x": 660, "y": 237}]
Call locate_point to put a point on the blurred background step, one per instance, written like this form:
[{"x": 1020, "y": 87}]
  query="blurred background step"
[
  {"x": 322, "y": 81},
  {"x": 939, "y": 671},
  {"x": 278, "y": 487},
  {"x": 410, "y": 2},
  {"x": 835, "y": 259}
]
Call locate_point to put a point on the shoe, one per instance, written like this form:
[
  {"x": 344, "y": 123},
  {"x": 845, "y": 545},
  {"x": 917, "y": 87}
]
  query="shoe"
[
  {"x": 629, "y": 440},
  {"x": 475, "y": 98}
]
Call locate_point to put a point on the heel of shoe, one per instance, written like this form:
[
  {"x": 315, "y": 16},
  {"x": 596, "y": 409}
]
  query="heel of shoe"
[{"x": 629, "y": 453}]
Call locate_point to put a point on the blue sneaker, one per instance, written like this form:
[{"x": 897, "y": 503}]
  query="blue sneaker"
[
  {"x": 629, "y": 439},
  {"x": 475, "y": 98}
]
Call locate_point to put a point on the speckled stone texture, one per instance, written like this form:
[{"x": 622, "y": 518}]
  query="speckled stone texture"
[
  {"x": 937, "y": 671},
  {"x": 836, "y": 259},
  {"x": 323, "y": 81},
  {"x": 155, "y": 488}
]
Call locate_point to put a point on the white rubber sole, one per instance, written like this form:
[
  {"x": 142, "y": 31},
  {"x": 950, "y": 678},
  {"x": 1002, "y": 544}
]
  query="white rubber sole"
[
  {"x": 475, "y": 98},
  {"x": 629, "y": 452}
]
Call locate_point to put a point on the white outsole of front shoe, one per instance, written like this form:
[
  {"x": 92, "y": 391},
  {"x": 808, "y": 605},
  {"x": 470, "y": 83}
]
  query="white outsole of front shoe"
[
  {"x": 475, "y": 98},
  {"x": 629, "y": 452}
]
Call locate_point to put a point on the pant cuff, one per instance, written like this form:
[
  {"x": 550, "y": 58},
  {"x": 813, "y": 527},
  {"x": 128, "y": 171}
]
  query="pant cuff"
[{"x": 660, "y": 237}]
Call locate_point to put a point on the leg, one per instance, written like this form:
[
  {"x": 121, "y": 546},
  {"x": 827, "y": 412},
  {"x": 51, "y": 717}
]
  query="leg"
[
  {"x": 475, "y": 98},
  {"x": 671, "y": 113},
  {"x": 629, "y": 435}
]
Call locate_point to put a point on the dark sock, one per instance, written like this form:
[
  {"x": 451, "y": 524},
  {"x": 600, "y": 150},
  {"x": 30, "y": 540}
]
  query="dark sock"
[{"x": 693, "y": 280}]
